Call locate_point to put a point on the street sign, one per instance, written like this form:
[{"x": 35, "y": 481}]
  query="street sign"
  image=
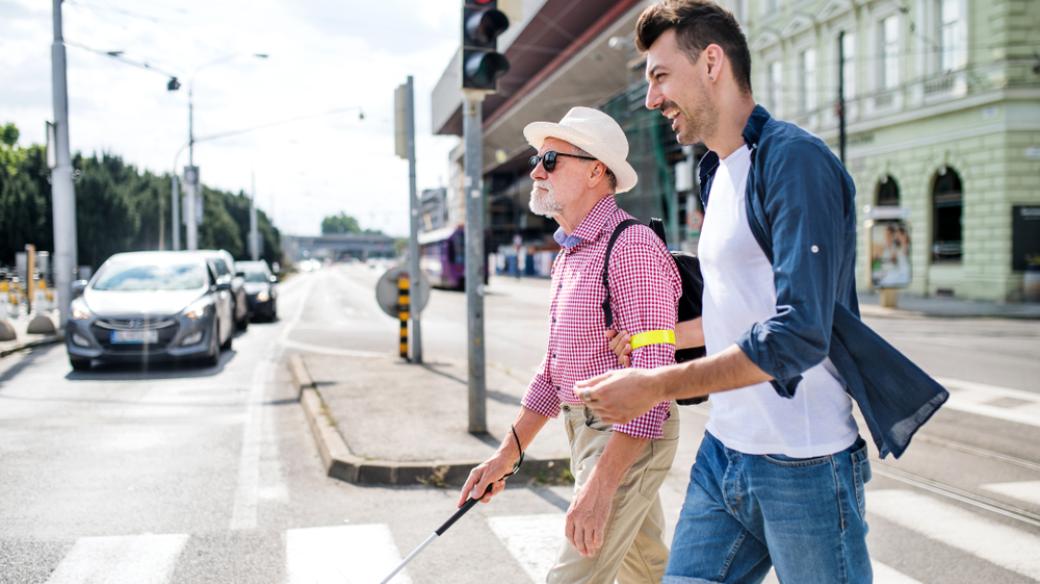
[{"x": 386, "y": 291}]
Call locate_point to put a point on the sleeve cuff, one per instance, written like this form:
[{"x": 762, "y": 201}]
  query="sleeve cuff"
[
  {"x": 649, "y": 426},
  {"x": 750, "y": 343}
]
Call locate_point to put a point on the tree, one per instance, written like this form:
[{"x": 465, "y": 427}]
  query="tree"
[
  {"x": 341, "y": 223},
  {"x": 9, "y": 134}
]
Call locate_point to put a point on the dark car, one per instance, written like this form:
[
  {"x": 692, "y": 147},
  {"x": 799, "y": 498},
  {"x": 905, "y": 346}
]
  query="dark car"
[
  {"x": 261, "y": 289},
  {"x": 225, "y": 265},
  {"x": 150, "y": 306}
]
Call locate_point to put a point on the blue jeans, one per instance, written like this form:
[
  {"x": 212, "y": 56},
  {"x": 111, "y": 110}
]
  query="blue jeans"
[{"x": 744, "y": 513}]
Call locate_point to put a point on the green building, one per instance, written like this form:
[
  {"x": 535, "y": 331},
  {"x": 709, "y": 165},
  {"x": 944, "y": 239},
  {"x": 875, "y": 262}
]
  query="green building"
[{"x": 942, "y": 117}]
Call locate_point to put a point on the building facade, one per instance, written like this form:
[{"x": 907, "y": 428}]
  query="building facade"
[{"x": 942, "y": 115}]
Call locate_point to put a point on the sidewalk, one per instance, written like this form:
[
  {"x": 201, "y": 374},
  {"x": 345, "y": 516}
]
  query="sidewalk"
[
  {"x": 379, "y": 420},
  {"x": 24, "y": 340},
  {"x": 916, "y": 306}
]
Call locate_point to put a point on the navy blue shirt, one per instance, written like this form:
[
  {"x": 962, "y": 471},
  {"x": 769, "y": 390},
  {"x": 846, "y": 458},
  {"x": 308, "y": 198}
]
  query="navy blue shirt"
[{"x": 801, "y": 210}]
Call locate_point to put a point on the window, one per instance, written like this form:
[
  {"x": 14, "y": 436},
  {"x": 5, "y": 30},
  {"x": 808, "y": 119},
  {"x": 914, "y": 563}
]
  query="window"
[
  {"x": 947, "y": 207},
  {"x": 848, "y": 67},
  {"x": 952, "y": 37},
  {"x": 888, "y": 192},
  {"x": 769, "y": 6},
  {"x": 773, "y": 86},
  {"x": 888, "y": 73},
  {"x": 807, "y": 81}
]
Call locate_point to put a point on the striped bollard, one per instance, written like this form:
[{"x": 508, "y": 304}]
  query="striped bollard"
[{"x": 403, "y": 309}]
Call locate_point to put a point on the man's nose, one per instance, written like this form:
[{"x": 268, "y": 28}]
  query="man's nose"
[
  {"x": 653, "y": 97},
  {"x": 538, "y": 172}
]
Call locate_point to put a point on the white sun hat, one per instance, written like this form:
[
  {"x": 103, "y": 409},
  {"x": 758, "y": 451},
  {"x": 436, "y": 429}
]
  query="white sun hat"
[{"x": 594, "y": 132}]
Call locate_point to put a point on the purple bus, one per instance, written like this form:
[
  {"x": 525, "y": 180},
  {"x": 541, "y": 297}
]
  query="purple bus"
[{"x": 442, "y": 257}]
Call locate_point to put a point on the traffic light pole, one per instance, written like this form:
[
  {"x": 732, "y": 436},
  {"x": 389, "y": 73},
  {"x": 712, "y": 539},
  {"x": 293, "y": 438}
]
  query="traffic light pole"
[
  {"x": 63, "y": 193},
  {"x": 413, "y": 213},
  {"x": 474, "y": 192}
]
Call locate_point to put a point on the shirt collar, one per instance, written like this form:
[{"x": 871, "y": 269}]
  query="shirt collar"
[
  {"x": 590, "y": 228},
  {"x": 752, "y": 134}
]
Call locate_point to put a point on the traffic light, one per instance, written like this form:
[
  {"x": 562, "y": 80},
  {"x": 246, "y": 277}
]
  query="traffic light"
[{"x": 482, "y": 64}]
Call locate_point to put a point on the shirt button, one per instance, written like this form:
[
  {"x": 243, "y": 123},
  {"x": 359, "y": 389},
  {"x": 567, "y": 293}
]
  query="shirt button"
[
  {"x": 554, "y": 355},
  {"x": 815, "y": 249},
  {"x": 554, "y": 320},
  {"x": 560, "y": 287}
]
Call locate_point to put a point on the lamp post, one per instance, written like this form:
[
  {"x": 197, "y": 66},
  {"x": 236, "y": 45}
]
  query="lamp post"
[{"x": 191, "y": 171}]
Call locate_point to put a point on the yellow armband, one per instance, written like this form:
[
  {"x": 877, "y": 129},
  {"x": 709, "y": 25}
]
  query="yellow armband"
[{"x": 653, "y": 338}]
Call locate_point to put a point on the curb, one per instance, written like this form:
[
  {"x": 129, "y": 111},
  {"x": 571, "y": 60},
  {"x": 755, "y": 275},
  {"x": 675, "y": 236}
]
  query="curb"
[
  {"x": 340, "y": 463},
  {"x": 51, "y": 340}
]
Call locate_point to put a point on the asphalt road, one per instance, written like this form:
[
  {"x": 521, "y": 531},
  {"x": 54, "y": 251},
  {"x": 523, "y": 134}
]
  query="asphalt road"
[{"x": 193, "y": 474}]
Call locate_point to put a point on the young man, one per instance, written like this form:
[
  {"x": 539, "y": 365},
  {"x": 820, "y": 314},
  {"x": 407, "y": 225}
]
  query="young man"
[
  {"x": 615, "y": 521},
  {"x": 780, "y": 473}
]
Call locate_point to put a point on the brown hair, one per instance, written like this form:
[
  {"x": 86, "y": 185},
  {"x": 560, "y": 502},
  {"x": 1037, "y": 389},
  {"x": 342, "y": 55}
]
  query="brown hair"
[{"x": 697, "y": 24}]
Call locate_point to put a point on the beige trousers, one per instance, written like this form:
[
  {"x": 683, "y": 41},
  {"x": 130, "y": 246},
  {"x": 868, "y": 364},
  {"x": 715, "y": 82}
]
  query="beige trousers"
[{"x": 633, "y": 550}]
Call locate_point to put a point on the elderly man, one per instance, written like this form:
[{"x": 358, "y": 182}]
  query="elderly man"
[{"x": 615, "y": 520}]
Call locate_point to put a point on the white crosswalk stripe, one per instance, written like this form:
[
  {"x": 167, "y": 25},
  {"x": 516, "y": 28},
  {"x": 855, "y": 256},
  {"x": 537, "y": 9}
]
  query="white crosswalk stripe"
[
  {"x": 1002, "y": 403},
  {"x": 132, "y": 559},
  {"x": 533, "y": 540},
  {"x": 349, "y": 554},
  {"x": 1009, "y": 548},
  {"x": 1027, "y": 491}
]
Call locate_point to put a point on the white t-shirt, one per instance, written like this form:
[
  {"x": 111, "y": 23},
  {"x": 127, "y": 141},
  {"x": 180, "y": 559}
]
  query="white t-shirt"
[{"x": 738, "y": 292}]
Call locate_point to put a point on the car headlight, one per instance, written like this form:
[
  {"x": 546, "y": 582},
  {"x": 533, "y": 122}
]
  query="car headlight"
[
  {"x": 79, "y": 310},
  {"x": 263, "y": 296},
  {"x": 198, "y": 309}
]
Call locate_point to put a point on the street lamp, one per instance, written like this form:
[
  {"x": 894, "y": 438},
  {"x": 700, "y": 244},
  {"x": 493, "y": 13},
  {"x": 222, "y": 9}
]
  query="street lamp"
[{"x": 191, "y": 171}]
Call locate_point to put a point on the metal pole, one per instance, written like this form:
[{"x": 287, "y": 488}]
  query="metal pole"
[
  {"x": 63, "y": 193},
  {"x": 254, "y": 237},
  {"x": 191, "y": 194},
  {"x": 841, "y": 96},
  {"x": 175, "y": 209},
  {"x": 473, "y": 191},
  {"x": 414, "y": 276}
]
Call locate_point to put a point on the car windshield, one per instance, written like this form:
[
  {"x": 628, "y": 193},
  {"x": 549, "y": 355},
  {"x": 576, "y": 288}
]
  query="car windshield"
[
  {"x": 151, "y": 277},
  {"x": 256, "y": 276}
]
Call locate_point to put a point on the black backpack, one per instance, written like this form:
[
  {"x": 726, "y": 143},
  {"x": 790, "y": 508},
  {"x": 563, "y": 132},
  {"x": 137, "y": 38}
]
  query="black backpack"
[{"x": 692, "y": 288}]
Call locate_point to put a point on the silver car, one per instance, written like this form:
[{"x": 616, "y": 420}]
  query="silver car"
[{"x": 150, "y": 306}]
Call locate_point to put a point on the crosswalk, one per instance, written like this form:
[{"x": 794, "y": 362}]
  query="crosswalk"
[{"x": 366, "y": 553}]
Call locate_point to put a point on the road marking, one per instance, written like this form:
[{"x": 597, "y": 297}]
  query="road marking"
[
  {"x": 350, "y": 554},
  {"x": 1009, "y": 548},
  {"x": 534, "y": 540},
  {"x": 981, "y": 399},
  {"x": 1028, "y": 491},
  {"x": 247, "y": 492},
  {"x": 133, "y": 559}
]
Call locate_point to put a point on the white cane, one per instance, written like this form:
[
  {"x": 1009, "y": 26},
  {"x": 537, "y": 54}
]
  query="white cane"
[{"x": 437, "y": 533}]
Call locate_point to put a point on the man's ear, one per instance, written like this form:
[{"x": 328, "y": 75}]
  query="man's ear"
[
  {"x": 596, "y": 173},
  {"x": 714, "y": 58}
]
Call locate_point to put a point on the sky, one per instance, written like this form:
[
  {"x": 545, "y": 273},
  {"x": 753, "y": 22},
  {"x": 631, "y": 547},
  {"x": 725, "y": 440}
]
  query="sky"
[{"x": 324, "y": 55}]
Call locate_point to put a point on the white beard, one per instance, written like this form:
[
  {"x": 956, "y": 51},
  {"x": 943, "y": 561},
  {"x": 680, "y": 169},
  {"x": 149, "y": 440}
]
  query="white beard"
[{"x": 544, "y": 202}]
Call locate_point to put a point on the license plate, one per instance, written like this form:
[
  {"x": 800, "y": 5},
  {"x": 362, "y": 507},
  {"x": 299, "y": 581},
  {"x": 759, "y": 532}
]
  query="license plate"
[{"x": 134, "y": 337}]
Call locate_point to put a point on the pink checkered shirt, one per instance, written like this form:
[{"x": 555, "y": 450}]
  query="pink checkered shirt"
[{"x": 645, "y": 289}]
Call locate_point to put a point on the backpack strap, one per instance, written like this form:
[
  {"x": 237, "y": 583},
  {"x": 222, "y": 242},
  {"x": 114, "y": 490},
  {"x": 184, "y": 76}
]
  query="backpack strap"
[
  {"x": 608, "y": 315},
  {"x": 657, "y": 225}
]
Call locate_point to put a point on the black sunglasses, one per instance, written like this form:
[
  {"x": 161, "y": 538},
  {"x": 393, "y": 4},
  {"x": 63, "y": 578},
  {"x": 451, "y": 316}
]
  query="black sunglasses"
[{"x": 548, "y": 159}]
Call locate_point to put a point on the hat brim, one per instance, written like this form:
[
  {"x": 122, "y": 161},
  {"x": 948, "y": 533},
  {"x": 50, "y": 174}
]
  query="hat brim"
[{"x": 537, "y": 132}]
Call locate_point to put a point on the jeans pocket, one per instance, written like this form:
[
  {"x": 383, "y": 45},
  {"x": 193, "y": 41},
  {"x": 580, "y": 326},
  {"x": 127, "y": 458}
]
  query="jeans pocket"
[{"x": 861, "y": 474}]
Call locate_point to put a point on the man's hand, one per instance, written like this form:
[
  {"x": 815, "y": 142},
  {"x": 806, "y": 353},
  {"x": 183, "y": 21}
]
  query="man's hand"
[
  {"x": 490, "y": 472},
  {"x": 620, "y": 396},
  {"x": 621, "y": 345},
  {"x": 587, "y": 517}
]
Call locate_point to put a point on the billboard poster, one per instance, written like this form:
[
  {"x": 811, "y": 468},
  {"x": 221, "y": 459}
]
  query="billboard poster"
[{"x": 890, "y": 253}]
